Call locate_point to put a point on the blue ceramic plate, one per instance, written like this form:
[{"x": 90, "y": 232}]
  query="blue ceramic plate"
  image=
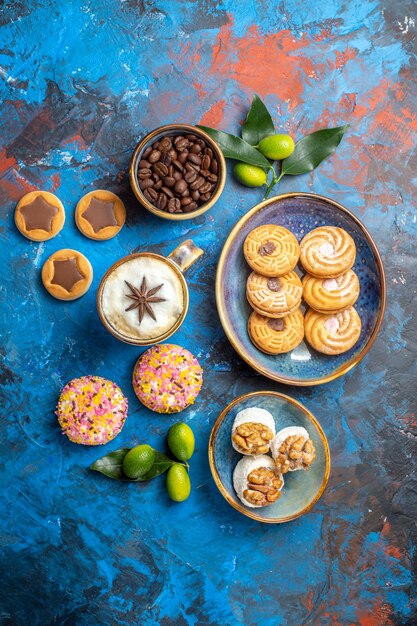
[
  {"x": 302, "y": 489},
  {"x": 300, "y": 213}
]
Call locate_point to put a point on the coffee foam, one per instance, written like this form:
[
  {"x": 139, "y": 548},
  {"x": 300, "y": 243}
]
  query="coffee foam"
[{"x": 114, "y": 300}]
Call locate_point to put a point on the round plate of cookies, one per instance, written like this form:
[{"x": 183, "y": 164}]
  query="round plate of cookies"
[{"x": 307, "y": 297}]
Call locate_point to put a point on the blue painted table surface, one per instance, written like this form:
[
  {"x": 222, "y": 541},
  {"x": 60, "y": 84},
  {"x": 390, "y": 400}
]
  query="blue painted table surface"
[{"x": 82, "y": 82}]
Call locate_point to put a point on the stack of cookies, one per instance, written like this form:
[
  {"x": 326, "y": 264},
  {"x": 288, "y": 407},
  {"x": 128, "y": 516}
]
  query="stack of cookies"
[
  {"x": 275, "y": 291},
  {"x": 330, "y": 288}
]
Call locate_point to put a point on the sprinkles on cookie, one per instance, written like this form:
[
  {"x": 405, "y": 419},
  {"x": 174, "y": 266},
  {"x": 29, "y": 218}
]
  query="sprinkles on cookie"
[
  {"x": 91, "y": 410},
  {"x": 167, "y": 378}
]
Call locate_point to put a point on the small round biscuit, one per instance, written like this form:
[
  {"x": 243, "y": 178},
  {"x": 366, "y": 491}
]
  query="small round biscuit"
[
  {"x": 67, "y": 274},
  {"x": 276, "y": 336},
  {"x": 100, "y": 215},
  {"x": 333, "y": 333},
  {"x": 274, "y": 296},
  {"x": 39, "y": 215},
  {"x": 271, "y": 250},
  {"x": 327, "y": 252},
  {"x": 327, "y": 295}
]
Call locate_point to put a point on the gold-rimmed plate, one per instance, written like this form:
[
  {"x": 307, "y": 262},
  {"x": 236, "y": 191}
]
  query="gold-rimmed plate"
[
  {"x": 302, "y": 489},
  {"x": 300, "y": 213}
]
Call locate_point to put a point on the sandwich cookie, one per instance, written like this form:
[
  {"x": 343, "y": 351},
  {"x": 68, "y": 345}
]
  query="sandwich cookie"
[
  {"x": 39, "y": 215},
  {"x": 100, "y": 215},
  {"x": 274, "y": 296},
  {"x": 67, "y": 274},
  {"x": 271, "y": 250},
  {"x": 276, "y": 336}
]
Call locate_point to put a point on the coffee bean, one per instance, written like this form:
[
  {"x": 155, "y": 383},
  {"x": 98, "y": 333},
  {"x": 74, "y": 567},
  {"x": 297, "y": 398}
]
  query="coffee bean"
[
  {"x": 212, "y": 178},
  {"x": 183, "y": 156},
  {"x": 162, "y": 202},
  {"x": 160, "y": 169},
  {"x": 191, "y": 137},
  {"x": 180, "y": 186},
  {"x": 190, "y": 176},
  {"x": 146, "y": 184},
  {"x": 214, "y": 167},
  {"x": 169, "y": 181},
  {"x": 194, "y": 158},
  {"x": 151, "y": 194},
  {"x": 165, "y": 159},
  {"x": 205, "y": 197},
  {"x": 185, "y": 201},
  {"x": 204, "y": 173},
  {"x": 144, "y": 173},
  {"x": 170, "y": 170},
  {"x": 177, "y": 175},
  {"x": 195, "y": 148},
  {"x": 197, "y": 183},
  {"x": 165, "y": 144},
  {"x": 155, "y": 177},
  {"x": 147, "y": 152},
  {"x": 158, "y": 184},
  {"x": 167, "y": 191},
  {"x": 195, "y": 194},
  {"x": 185, "y": 193},
  {"x": 143, "y": 163},
  {"x": 178, "y": 166},
  {"x": 190, "y": 207},
  {"x": 181, "y": 143},
  {"x": 205, "y": 162},
  {"x": 204, "y": 188},
  {"x": 154, "y": 156},
  {"x": 174, "y": 205},
  {"x": 173, "y": 154},
  {"x": 209, "y": 152}
]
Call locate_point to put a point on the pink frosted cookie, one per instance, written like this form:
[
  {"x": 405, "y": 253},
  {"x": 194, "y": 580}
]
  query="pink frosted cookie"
[
  {"x": 91, "y": 410},
  {"x": 167, "y": 378}
]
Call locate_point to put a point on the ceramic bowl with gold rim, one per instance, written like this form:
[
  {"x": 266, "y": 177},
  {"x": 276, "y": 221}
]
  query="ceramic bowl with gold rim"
[
  {"x": 301, "y": 488},
  {"x": 143, "y": 298},
  {"x": 300, "y": 213},
  {"x": 174, "y": 130}
]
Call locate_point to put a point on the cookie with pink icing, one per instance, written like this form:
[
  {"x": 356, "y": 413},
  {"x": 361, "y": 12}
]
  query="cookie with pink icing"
[
  {"x": 91, "y": 410},
  {"x": 167, "y": 378}
]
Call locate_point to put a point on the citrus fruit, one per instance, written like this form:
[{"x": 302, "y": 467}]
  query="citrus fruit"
[
  {"x": 178, "y": 483},
  {"x": 138, "y": 461},
  {"x": 181, "y": 441},
  {"x": 249, "y": 175},
  {"x": 276, "y": 147}
]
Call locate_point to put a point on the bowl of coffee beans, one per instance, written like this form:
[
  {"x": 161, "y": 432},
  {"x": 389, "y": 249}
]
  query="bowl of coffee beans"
[{"x": 177, "y": 172}]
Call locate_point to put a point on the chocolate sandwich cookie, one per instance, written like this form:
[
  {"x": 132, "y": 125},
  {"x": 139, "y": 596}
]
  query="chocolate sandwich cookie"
[
  {"x": 39, "y": 215},
  {"x": 100, "y": 215},
  {"x": 67, "y": 274}
]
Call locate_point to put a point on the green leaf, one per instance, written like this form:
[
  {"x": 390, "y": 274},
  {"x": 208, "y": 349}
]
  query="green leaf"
[
  {"x": 111, "y": 466},
  {"x": 235, "y": 148},
  {"x": 312, "y": 149},
  {"x": 258, "y": 123}
]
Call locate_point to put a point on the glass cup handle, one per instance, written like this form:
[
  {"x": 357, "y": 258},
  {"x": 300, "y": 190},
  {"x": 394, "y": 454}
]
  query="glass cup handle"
[{"x": 186, "y": 254}]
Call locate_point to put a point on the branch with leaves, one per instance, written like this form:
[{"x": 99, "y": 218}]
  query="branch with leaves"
[{"x": 264, "y": 156}]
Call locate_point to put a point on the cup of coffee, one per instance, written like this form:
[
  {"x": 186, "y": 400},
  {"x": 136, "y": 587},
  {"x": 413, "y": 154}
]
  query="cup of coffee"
[{"x": 143, "y": 298}]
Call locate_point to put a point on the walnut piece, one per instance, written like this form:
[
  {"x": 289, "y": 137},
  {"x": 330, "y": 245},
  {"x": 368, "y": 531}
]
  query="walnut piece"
[
  {"x": 296, "y": 452},
  {"x": 263, "y": 487},
  {"x": 253, "y": 438}
]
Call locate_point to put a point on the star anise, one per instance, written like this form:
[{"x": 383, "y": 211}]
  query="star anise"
[{"x": 142, "y": 299}]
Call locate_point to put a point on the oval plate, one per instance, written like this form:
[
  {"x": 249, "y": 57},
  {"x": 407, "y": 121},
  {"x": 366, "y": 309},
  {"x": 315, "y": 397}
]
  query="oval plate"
[
  {"x": 302, "y": 489},
  {"x": 300, "y": 213}
]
